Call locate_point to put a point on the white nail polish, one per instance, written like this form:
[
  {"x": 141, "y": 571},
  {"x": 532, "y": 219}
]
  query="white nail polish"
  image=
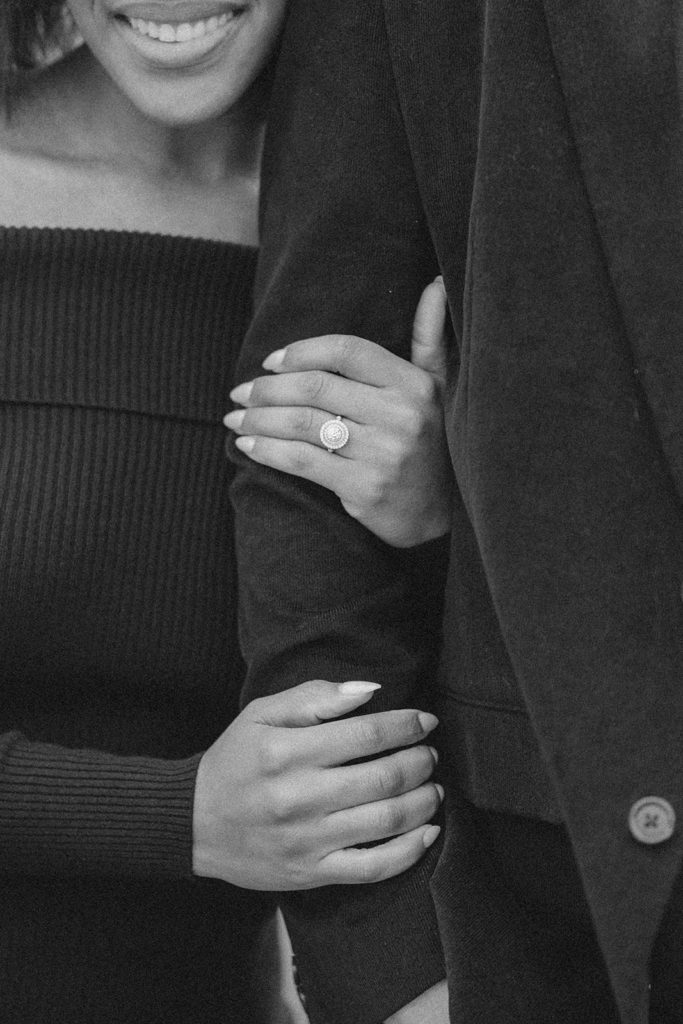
[
  {"x": 430, "y": 835},
  {"x": 234, "y": 420},
  {"x": 241, "y": 393},
  {"x": 355, "y": 687},
  {"x": 274, "y": 360}
]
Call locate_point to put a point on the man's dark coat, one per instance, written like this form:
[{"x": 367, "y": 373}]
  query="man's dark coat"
[{"x": 532, "y": 151}]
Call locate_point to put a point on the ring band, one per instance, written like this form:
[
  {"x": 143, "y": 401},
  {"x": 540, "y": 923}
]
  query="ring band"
[{"x": 334, "y": 434}]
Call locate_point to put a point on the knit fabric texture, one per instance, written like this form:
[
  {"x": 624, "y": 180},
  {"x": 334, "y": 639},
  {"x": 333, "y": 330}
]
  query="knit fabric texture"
[{"x": 117, "y": 637}]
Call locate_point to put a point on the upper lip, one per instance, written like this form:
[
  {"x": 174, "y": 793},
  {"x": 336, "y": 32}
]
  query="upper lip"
[{"x": 168, "y": 12}]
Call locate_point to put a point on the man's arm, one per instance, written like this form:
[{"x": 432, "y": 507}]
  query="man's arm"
[{"x": 344, "y": 250}]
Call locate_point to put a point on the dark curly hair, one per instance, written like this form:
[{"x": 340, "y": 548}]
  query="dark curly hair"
[{"x": 27, "y": 29}]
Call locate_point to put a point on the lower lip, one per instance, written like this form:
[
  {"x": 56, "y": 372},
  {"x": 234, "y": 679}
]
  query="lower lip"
[{"x": 178, "y": 55}]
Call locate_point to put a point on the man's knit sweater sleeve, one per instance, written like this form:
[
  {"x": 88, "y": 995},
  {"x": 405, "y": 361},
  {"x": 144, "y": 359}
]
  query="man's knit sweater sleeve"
[
  {"x": 344, "y": 250},
  {"x": 74, "y": 812}
]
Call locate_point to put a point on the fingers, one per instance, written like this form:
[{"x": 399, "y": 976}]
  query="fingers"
[
  {"x": 336, "y": 743},
  {"x": 297, "y": 458},
  {"x": 310, "y": 703},
  {"x": 290, "y": 424},
  {"x": 358, "y": 866},
  {"x": 382, "y": 779},
  {"x": 315, "y": 389},
  {"x": 369, "y": 823},
  {"x": 344, "y": 354},
  {"x": 428, "y": 349}
]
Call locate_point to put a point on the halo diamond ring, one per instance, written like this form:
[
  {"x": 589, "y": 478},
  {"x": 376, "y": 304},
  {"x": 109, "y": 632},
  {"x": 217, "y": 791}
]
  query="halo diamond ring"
[{"x": 334, "y": 434}]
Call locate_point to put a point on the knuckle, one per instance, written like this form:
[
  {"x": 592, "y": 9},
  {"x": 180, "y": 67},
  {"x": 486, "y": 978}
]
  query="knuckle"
[
  {"x": 370, "y": 733},
  {"x": 302, "y": 421},
  {"x": 343, "y": 346},
  {"x": 313, "y": 385},
  {"x": 414, "y": 421},
  {"x": 272, "y": 753},
  {"x": 425, "y": 389},
  {"x": 390, "y": 779},
  {"x": 391, "y": 818},
  {"x": 284, "y": 808}
]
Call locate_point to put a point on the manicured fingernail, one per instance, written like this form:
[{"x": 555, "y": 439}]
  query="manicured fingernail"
[
  {"x": 440, "y": 790},
  {"x": 427, "y": 721},
  {"x": 241, "y": 393},
  {"x": 438, "y": 279},
  {"x": 430, "y": 835},
  {"x": 245, "y": 444},
  {"x": 233, "y": 420},
  {"x": 274, "y": 360},
  {"x": 435, "y": 754},
  {"x": 355, "y": 687}
]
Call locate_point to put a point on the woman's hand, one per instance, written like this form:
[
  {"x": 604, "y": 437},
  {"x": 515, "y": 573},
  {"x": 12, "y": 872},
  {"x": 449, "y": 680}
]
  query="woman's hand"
[
  {"x": 278, "y": 806},
  {"x": 429, "y": 1008},
  {"x": 394, "y": 473}
]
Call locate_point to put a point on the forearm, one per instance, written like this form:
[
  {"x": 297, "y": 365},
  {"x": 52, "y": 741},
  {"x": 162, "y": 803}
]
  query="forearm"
[
  {"x": 344, "y": 250},
  {"x": 363, "y": 953},
  {"x": 84, "y": 812},
  {"x": 322, "y": 598}
]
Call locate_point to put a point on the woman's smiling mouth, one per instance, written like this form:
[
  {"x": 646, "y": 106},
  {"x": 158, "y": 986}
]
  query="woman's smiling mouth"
[
  {"x": 173, "y": 35},
  {"x": 168, "y": 32}
]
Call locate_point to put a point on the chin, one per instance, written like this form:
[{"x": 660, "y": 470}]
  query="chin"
[
  {"x": 186, "y": 109},
  {"x": 180, "y": 98}
]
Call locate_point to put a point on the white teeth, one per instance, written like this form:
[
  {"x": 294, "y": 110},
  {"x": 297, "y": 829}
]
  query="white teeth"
[{"x": 181, "y": 33}]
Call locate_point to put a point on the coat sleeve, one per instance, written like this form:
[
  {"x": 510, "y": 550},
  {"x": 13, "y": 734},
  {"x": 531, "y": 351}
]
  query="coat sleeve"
[{"x": 345, "y": 249}]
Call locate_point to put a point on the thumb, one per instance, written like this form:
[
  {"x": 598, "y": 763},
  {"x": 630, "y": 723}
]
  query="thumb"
[
  {"x": 429, "y": 349},
  {"x": 311, "y": 703}
]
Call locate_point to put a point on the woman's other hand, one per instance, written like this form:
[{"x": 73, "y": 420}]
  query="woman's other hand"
[
  {"x": 279, "y": 807},
  {"x": 393, "y": 474},
  {"x": 429, "y": 1008}
]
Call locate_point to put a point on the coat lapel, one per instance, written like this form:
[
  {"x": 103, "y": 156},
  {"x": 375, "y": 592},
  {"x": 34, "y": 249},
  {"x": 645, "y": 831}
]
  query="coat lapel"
[{"x": 620, "y": 70}]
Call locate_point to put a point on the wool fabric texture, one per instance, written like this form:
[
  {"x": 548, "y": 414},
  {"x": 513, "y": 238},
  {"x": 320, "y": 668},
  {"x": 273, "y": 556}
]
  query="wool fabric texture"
[{"x": 530, "y": 151}]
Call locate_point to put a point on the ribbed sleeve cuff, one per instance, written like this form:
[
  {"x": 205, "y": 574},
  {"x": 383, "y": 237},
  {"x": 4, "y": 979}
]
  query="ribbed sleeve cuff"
[
  {"x": 82, "y": 812},
  {"x": 363, "y": 952}
]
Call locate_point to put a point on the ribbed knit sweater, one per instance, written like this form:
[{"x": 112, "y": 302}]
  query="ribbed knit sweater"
[{"x": 118, "y": 653}]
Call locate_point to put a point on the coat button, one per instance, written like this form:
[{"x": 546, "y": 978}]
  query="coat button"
[{"x": 652, "y": 820}]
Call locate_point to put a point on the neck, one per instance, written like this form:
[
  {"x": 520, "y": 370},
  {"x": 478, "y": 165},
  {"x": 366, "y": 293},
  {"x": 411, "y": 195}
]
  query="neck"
[{"x": 105, "y": 126}]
